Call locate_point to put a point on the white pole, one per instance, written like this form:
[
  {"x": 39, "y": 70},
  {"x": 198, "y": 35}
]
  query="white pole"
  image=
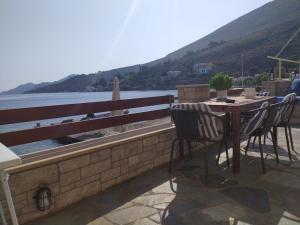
[
  {"x": 4, "y": 179},
  {"x": 242, "y": 61},
  {"x": 279, "y": 69},
  {"x": 2, "y": 215}
]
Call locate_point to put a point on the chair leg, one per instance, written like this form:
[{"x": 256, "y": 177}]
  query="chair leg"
[
  {"x": 253, "y": 143},
  {"x": 261, "y": 156},
  {"x": 265, "y": 137},
  {"x": 205, "y": 165},
  {"x": 288, "y": 142},
  {"x": 220, "y": 150},
  {"x": 171, "y": 155},
  {"x": 247, "y": 146},
  {"x": 190, "y": 149},
  {"x": 291, "y": 137},
  {"x": 227, "y": 155},
  {"x": 275, "y": 147}
]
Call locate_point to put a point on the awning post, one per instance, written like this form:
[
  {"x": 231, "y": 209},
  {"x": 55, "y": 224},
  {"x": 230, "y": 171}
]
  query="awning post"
[{"x": 279, "y": 69}]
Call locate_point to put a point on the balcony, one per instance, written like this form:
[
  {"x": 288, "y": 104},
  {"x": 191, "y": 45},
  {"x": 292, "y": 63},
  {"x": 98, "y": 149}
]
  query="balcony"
[
  {"x": 182, "y": 198},
  {"x": 123, "y": 179}
]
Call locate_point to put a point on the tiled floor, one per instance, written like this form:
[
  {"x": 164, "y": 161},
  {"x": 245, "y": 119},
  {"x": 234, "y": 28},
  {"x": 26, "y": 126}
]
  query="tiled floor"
[{"x": 183, "y": 199}]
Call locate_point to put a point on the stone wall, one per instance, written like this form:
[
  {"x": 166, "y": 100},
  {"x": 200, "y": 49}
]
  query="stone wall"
[
  {"x": 295, "y": 120},
  {"x": 276, "y": 87},
  {"x": 74, "y": 176},
  {"x": 193, "y": 93},
  {"x": 201, "y": 92}
]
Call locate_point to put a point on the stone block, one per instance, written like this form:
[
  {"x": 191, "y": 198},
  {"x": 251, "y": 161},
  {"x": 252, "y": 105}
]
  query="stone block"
[
  {"x": 145, "y": 168},
  {"x": 74, "y": 163},
  {"x": 160, "y": 160},
  {"x": 110, "y": 174},
  {"x": 140, "y": 146},
  {"x": 193, "y": 93},
  {"x": 100, "y": 155},
  {"x": 69, "y": 177},
  {"x": 150, "y": 141},
  {"x": 151, "y": 148},
  {"x": 88, "y": 180},
  {"x": 126, "y": 176},
  {"x": 108, "y": 184},
  {"x": 96, "y": 168},
  {"x": 67, "y": 198},
  {"x": 31, "y": 179},
  {"x": 163, "y": 146},
  {"x": 68, "y": 187},
  {"x": 1, "y": 193},
  {"x": 24, "y": 218},
  {"x": 119, "y": 153},
  {"x": 132, "y": 148},
  {"x": 90, "y": 189},
  {"x": 133, "y": 160},
  {"x": 20, "y": 198},
  {"x": 124, "y": 151},
  {"x": 21, "y": 205},
  {"x": 28, "y": 209},
  {"x": 167, "y": 136},
  {"x": 276, "y": 87},
  {"x": 146, "y": 156}
]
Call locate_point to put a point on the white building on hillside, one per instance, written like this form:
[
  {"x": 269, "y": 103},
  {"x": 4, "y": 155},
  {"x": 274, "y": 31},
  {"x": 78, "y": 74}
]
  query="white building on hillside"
[{"x": 202, "y": 68}]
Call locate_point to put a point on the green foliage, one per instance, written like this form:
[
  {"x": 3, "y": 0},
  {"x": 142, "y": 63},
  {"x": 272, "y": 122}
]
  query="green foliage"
[
  {"x": 251, "y": 81},
  {"x": 220, "y": 82}
]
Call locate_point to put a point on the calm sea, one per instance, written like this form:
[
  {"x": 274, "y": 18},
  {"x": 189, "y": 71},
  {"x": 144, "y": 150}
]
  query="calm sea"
[{"x": 32, "y": 100}]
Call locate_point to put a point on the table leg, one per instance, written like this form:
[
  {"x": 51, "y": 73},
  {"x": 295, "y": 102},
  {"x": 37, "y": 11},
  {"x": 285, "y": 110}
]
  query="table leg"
[{"x": 236, "y": 139}]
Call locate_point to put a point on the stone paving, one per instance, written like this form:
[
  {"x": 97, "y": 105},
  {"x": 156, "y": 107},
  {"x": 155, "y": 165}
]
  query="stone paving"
[{"x": 183, "y": 198}]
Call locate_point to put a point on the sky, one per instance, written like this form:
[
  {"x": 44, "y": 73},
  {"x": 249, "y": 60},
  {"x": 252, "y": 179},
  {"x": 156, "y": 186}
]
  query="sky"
[{"x": 46, "y": 40}]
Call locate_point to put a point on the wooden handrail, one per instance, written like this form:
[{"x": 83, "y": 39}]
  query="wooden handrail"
[
  {"x": 61, "y": 130},
  {"x": 9, "y": 116}
]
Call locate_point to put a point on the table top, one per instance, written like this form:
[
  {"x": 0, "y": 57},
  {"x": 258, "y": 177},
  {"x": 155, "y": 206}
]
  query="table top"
[
  {"x": 8, "y": 158},
  {"x": 240, "y": 102}
]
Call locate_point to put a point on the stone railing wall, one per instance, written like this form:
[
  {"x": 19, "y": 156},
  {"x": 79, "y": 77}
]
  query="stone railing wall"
[
  {"x": 193, "y": 92},
  {"x": 201, "y": 92},
  {"x": 276, "y": 87},
  {"x": 74, "y": 176},
  {"x": 295, "y": 120}
]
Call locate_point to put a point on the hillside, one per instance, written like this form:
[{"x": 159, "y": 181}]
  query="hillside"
[
  {"x": 98, "y": 81},
  {"x": 271, "y": 14},
  {"x": 23, "y": 88},
  {"x": 225, "y": 56}
]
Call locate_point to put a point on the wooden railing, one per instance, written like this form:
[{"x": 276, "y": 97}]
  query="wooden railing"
[{"x": 10, "y": 116}]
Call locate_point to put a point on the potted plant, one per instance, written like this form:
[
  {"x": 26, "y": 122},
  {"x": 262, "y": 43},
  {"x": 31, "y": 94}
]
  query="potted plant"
[{"x": 221, "y": 82}]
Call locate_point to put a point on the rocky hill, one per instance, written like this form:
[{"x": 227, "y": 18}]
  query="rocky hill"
[{"x": 270, "y": 15}]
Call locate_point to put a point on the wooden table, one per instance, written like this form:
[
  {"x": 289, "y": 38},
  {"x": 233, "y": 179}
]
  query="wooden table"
[{"x": 241, "y": 105}]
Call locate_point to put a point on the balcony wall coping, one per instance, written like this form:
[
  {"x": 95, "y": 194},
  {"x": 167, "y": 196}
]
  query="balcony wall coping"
[{"x": 75, "y": 150}]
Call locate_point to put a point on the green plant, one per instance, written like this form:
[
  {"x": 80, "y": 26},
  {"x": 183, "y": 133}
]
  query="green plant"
[{"x": 220, "y": 82}]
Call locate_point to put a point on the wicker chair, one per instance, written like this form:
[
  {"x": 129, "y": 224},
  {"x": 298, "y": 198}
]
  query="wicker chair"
[
  {"x": 270, "y": 117},
  {"x": 198, "y": 124},
  {"x": 289, "y": 102}
]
